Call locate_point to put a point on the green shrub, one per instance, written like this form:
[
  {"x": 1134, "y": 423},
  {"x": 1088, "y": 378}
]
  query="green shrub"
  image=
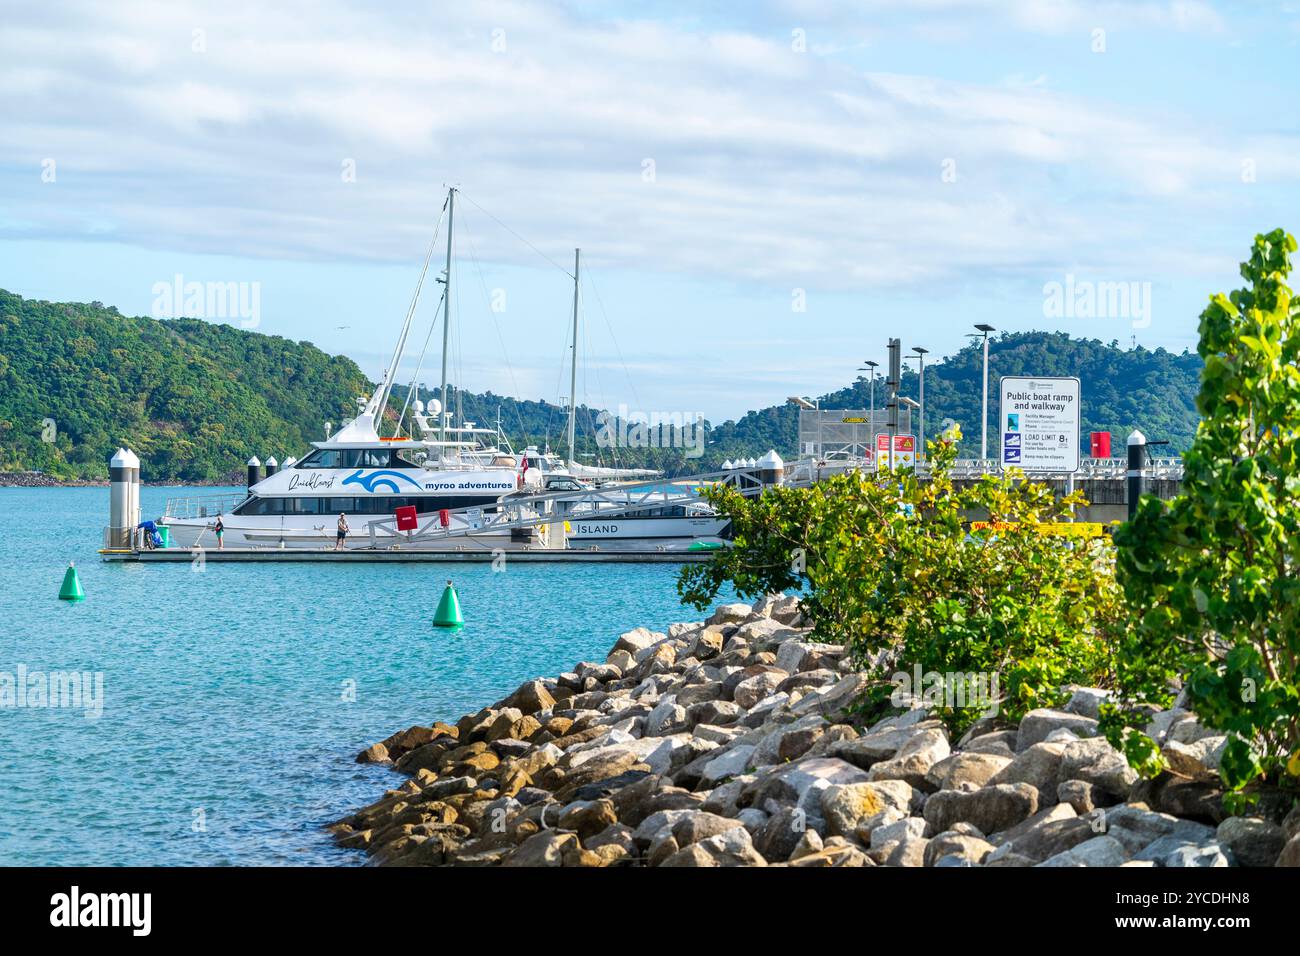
[
  {"x": 1212, "y": 574},
  {"x": 890, "y": 569}
]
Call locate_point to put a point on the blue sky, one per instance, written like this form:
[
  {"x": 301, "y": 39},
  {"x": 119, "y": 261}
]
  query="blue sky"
[{"x": 763, "y": 195}]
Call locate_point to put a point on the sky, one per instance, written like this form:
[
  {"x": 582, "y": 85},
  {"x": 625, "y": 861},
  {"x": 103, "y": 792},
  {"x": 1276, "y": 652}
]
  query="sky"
[{"x": 763, "y": 193}]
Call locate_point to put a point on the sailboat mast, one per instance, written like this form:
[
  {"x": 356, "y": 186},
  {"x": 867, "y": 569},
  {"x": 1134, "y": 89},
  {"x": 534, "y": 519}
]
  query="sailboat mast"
[
  {"x": 573, "y": 367},
  {"x": 446, "y": 320}
]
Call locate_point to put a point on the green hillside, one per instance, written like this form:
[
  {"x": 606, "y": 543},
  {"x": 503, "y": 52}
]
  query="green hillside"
[
  {"x": 1122, "y": 390},
  {"x": 194, "y": 399},
  {"x": 197, "y": 399}
]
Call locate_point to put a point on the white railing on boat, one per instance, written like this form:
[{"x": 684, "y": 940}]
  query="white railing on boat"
[
  {"x": 203, "y": 506},
  {"x": 521, "y": 512}
]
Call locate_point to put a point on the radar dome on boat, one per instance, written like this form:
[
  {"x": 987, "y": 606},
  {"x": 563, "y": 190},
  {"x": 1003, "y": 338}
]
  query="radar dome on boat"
[
  {"x": 434, "y": 407},
  {"x": 419, "y": 407}
]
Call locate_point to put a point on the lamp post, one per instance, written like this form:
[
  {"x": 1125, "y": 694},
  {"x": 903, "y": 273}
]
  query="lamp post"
[
  {"x": 920, "y": 355},
  {"x": 869, "y": 365},
  {"x": 804, "y": 405},
  {"x": 984, "y": 420},
  {"x": 910, "y": 403}
]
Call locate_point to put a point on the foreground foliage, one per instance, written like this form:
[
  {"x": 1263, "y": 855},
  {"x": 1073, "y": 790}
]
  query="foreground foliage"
[
  {"x": 890, "y": 570},
  {"x": 1213, "y": 572}
]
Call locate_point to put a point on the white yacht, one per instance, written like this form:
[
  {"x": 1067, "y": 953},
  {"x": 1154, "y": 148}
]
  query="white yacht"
[
  {"x": 454, "y": 478},
  {"x": 354, "y": 473}
]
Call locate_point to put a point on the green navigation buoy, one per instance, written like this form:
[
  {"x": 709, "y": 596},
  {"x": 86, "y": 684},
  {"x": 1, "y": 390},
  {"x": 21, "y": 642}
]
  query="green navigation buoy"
[
  {"x": 71, "y": 590},
  {"x": 448, "y": 613}
]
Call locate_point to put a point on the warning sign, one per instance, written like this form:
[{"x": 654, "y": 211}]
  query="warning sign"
[{"x": 904, "y": 451}]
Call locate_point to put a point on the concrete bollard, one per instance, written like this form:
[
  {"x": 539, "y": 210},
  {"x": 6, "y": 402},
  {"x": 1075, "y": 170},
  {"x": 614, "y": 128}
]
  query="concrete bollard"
[{"x": 1137, "y": 470}]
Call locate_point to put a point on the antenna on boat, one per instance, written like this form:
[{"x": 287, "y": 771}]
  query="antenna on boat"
[
  {"x": 573, "y": 368},
  {"x": 446, "y": 318}
]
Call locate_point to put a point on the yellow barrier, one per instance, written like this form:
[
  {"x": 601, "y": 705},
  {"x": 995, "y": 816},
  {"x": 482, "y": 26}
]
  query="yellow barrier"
[{"x": 1070, "y": 529}]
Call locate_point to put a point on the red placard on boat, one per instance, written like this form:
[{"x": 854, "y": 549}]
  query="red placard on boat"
[{"x": 406, "y": 520}]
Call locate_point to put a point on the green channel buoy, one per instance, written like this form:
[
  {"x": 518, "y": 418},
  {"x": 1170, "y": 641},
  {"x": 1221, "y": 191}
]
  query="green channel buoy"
[
  {"x": 448, "y": 613},
  {"x": 71, "y": 590}
]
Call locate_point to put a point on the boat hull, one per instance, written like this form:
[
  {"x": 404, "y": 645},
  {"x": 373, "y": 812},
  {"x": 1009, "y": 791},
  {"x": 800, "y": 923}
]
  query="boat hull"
[{"x": 304, "y": 532}]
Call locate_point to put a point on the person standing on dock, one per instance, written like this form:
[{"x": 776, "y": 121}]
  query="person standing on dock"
[
  {"x": 221, "y": 531},
  {"x": 342, "y": 533}
]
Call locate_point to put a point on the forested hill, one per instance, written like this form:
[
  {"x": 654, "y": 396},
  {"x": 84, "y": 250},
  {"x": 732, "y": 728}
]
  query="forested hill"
[
  {"x": 194, "y": 399},
  {"x": 1122, "y": 390}
]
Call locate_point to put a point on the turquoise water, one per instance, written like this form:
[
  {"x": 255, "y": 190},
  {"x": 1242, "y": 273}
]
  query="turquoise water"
[{"x": 236, "y": 698}]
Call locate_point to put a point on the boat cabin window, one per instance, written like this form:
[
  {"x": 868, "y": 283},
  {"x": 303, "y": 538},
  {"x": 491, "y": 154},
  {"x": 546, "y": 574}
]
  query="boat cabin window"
[
  {"x": 323, "y": 458},
  {"x": 377, "y": 505},
  {"x": 667, "y": 511},
  {"x": 562, "y": 484},
  {"x": 356, "y": 458}
]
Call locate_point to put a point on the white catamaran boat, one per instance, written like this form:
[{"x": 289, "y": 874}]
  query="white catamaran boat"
[{"x": 451, "y": 473}]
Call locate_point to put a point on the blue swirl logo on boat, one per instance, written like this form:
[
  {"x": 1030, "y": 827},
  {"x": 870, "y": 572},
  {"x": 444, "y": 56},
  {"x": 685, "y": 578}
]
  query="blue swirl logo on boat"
[{"x": 377, "y": 479}]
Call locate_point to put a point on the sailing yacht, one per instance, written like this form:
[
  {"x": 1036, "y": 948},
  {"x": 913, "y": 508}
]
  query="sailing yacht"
[{"x": 451, "y": 471}]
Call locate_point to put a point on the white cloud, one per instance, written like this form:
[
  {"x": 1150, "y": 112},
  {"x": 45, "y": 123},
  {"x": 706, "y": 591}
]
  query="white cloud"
[{"x": 769, "y": 165}]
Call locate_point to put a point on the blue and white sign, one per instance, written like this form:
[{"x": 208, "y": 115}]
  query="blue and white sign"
[{"x": 1039, "y": 424}]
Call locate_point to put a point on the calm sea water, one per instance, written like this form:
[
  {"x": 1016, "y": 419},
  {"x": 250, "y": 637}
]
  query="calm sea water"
[{"x": 236, "y": 699}]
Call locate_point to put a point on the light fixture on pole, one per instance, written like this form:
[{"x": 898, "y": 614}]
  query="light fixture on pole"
[
  {"x": 984, "y": 420},
  {"x": 920, "y": 354}
]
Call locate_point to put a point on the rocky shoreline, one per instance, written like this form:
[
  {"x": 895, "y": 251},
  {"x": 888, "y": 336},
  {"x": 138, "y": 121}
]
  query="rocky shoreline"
[
  {"x": 734, "y": 742},
  {"x": 37, "y": 479}
]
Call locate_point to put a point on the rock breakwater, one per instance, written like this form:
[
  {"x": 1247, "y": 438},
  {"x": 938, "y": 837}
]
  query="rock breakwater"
[{"x": 737, "y": 741}]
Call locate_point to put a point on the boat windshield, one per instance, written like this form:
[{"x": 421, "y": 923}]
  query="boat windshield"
[{"x": 357, "y": 458}]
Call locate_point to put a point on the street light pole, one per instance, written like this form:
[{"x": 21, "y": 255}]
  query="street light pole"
[
  {"x": 871, "y": 420},
  {"x": 892, "y": 382},
  {"x": 984, "y": 424},
  {"x": 920, "y": 354}
]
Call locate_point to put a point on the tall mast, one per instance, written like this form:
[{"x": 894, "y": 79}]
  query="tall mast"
[
  {"x": 446, "y": 320},
  {"x": 573, "y": 367}
]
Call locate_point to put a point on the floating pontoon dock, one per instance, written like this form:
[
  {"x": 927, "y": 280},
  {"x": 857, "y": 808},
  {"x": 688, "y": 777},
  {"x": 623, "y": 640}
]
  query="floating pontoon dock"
[
  {"x": 504, "y": 551},
  {"x": 532, "y": 528}
]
